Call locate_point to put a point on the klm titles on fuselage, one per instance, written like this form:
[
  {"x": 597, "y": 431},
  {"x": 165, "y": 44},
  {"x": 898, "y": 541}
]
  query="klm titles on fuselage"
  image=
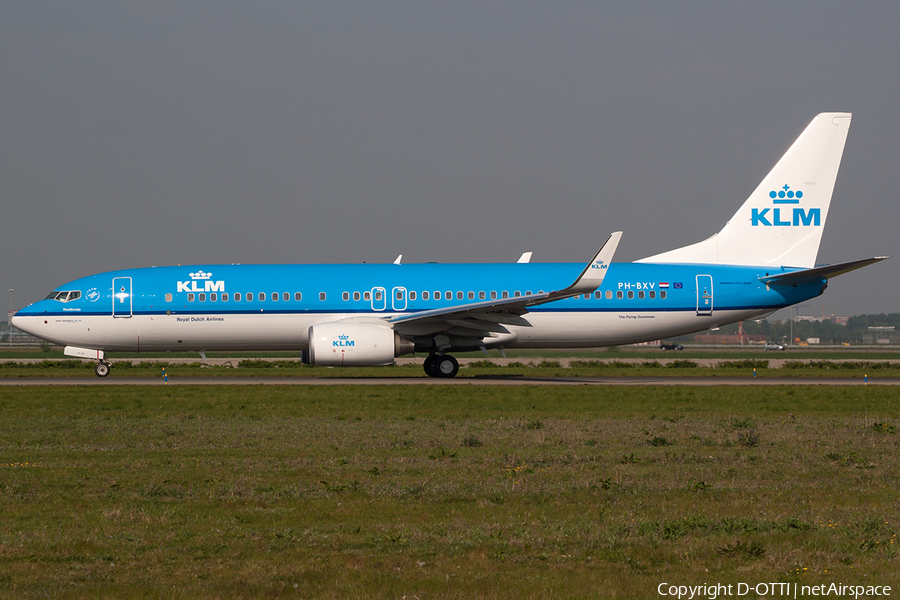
[
  {"x": 793, "y": 217},
  {"x": 208, "y": 284}
]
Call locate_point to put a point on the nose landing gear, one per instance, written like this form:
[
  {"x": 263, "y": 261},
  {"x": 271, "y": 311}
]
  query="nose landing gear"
[{"x": 102, "y": 368}]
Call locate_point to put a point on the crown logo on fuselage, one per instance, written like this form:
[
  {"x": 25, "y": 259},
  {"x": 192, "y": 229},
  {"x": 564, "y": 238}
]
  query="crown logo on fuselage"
[{"x": 201, "y": 275}]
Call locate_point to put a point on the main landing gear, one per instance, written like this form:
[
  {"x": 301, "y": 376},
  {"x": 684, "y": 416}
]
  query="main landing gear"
[
  {"x": 442, "y": 365},
  {"x": 102, "y": 368}
]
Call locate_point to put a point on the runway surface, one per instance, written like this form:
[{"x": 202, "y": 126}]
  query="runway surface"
[{"x": 487, "y": 380}]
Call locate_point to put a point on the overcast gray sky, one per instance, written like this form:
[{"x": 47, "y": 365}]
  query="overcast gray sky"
[{"x": 152, "y": 133}]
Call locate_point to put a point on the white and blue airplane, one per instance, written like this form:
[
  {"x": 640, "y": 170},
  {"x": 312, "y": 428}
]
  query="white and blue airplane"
[{"x": 762, "y": 260}]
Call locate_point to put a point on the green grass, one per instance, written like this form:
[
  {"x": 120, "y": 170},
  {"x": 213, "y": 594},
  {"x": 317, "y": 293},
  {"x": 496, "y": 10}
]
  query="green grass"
[
  {"x": 449, "y": 492},
  {"x": 255, "y": 367}
]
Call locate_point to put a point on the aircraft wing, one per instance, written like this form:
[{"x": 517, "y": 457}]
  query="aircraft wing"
[
  {"x": 481, "y": 319},
  {"x": 819, "y": 273}
]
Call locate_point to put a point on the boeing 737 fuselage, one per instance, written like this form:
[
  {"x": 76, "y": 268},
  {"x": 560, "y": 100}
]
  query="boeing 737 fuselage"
[{"x": 363, "y": 315}]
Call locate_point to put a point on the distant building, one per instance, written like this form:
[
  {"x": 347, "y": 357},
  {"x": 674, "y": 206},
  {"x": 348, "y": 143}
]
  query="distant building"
[
  {"x": 881, "y": 335},
  {"x": 837, "y": 319}
]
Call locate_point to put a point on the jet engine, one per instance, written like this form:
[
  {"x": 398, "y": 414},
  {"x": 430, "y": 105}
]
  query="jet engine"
[{"x": 355, "y": 344}]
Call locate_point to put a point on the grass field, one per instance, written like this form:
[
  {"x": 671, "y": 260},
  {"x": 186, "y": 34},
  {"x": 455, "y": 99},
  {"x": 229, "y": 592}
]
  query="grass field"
[
  {"x": 449, "y": 492},
  {"x": 679, "y": 367}
]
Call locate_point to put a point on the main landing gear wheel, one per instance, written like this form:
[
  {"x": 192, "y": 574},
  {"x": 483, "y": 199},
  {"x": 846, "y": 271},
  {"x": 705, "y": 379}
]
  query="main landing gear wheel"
[
  {"x": 446, "y": 366},
  {"x": 441, "y": 366},
  {"x": 102, "y": 369},
  {"x": 429, "y": 365}
]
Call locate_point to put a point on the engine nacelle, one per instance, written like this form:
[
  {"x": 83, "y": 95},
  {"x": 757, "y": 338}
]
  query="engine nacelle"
[{"x": 354, "y": 344}]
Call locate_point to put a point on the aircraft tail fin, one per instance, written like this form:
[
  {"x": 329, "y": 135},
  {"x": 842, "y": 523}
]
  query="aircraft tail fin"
[{"x": 781, "y": 223}]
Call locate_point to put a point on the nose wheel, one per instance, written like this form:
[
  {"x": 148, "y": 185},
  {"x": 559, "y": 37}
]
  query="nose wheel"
[
  {"x": 441, "y": 366},
  {"x": 102, "y": 369}
]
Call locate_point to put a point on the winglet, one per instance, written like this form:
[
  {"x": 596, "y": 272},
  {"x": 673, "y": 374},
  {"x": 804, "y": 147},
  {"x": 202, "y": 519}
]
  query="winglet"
[
  {"x": 593, "y": 274},
  {"x": 398, "y": 259},
  {"x": 525, "y": 258}
]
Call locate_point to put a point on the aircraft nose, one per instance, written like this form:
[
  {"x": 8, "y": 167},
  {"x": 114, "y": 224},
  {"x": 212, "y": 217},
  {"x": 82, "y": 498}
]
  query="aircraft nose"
[{"x": 24, "y": 323}]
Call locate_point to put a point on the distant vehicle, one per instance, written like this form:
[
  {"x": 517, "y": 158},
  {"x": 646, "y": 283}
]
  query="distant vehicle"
[
  {"x": 774, "y": 346},
  {"x": 671, "y": 347}
]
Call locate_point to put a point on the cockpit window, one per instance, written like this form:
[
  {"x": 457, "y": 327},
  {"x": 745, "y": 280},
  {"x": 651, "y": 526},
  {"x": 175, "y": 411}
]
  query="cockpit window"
[{"x": 64, "y": 296}]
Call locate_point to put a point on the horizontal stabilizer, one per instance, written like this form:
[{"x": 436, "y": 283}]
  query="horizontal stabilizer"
[{"x": 819, "y": 273}]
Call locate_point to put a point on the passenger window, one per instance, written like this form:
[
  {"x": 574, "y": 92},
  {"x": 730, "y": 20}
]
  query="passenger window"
[
  {"x": 345, "y": 296},
  {"x": 367, "y": 296},
  {"x": 662, "y": 294},
  {"x": 598, "y": 295},
  {"x": 471, "y": 295},
  {"x": 641, "y": 295},
  {"x": 321, "y": 295},
  {"x": 437, "y": 295},
  {"x": 619, "y": 295},
  {"x": 274, "y": 296},
  {"x": 609, "y": 294},
  {"x": 377, "y": 296},
  {"x": 528, "y": 292},
  {"x": 249, "y": 296},
  {"x": 190, "y": 297},
  {"x": 517, "y": 294},
  {"x": 399, "y": 294},
  {"x": 652, "y": 295},
  {"x": 448, "y": 295},
  {"x": 459, "y": 295},
  {"x": 412, "y": 295},
  {"x": 481, "y": 295},
  {"x": 213, "y": 297},
  {"x": 262, "y": 296},
  {"x": 237, "y": 296},
  {"x": 202, "y": 297},
  {"x": 285, "y": 296},
  {"x": 356, "y": 295},
  {"x": 169, "y": 297},
  {"x": 493, "y": 295},
  {"x": 298, "y": 296},
  {"x": 224, "y": 296},
  {"x": 505, "y": 294},
  {"x": 630, "y": 295},
  {"x": 424, "y": 295}
]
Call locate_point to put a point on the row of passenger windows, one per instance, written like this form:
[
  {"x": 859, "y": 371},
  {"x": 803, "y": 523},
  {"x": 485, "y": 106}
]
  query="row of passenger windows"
[
  {"x": 367, "y": 296},
  {"x": 238, "y": 297}
]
